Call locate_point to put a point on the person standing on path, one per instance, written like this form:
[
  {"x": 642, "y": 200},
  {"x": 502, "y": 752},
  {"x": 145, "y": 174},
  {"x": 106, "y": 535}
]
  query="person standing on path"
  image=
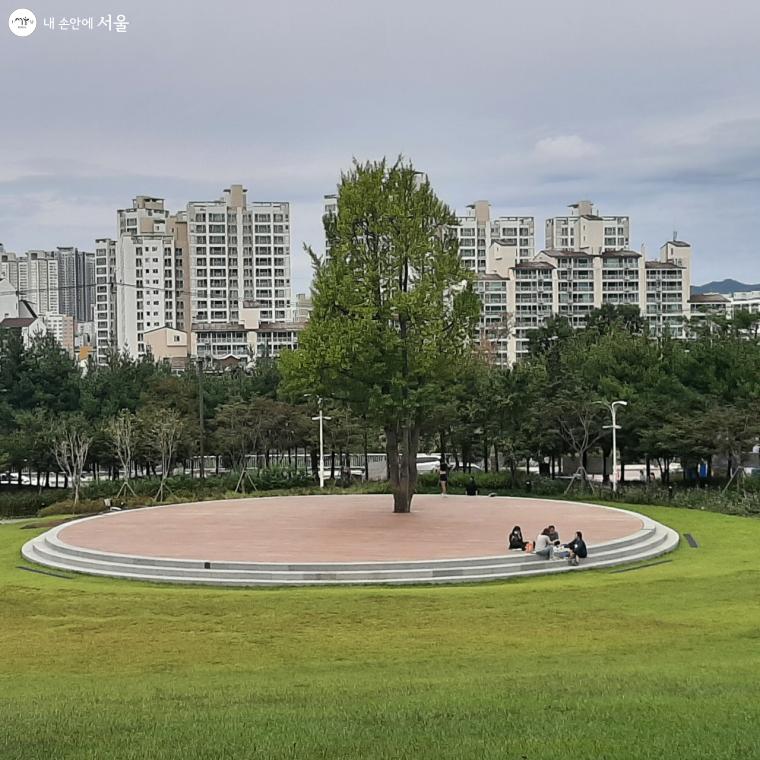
[{"x": 443, "y": 476}]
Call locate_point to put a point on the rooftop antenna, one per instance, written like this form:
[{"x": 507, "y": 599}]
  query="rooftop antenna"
[{"x": 675, "y": 235}]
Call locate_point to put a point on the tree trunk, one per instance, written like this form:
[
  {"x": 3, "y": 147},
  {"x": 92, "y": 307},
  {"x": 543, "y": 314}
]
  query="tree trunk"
[{"x": 401, "y": 452}]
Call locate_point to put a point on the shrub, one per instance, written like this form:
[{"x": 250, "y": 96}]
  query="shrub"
[{"x": 24, "y": 502}]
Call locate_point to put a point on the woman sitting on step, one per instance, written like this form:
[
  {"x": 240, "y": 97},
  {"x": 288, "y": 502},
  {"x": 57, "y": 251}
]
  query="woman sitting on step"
[
  {"x": 516, "y": 539},
  {"x": 544, "y": 545}
]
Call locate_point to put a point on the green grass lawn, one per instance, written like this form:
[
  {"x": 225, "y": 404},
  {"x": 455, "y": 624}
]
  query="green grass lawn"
[{"x": 659, "y": 662}]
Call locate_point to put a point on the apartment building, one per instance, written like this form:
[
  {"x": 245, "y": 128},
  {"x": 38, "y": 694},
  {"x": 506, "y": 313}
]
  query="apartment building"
[
  {"x": 142, "y": 281},
  {"x": 76, "y": 282},
  {"x": 571, "y": 284},
  {"x": 703, "y": 306},
  {"x": 216, "y": 270},
  {"x": 330, "y": 208},
  {"x": 9, "y": 266},
  {"x": 35, "y": 275},
  {"x": 61, "y": 327},
  {"x": 105, "y": 299},
  {"x": 240, "y": 270},
  {"x": 476, "y": 231},
  {"x": 585, "y": 230},
  {"x": 533, "y": 298},
  {"x": 668, "y": 290},
  {"x": 745, "y": 301},
  {"x": 302, "y": 307}
]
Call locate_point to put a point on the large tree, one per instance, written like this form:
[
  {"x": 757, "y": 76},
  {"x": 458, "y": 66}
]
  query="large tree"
[{"x": 393, "y": 310}]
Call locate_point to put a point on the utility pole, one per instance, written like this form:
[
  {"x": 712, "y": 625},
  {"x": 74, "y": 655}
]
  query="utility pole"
[{"x": 199, "y": 365}]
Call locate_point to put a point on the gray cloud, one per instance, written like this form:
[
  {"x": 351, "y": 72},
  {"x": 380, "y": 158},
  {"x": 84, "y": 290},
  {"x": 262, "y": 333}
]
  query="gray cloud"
[{"x": 651, "y": 111}]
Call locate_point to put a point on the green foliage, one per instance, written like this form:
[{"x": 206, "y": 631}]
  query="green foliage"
[
  {"x": 659, "y": 662},
  {"x": 176, "y": 488},
  {"x": 25, "y": 502},
  {"x": 394, "y": 310}
]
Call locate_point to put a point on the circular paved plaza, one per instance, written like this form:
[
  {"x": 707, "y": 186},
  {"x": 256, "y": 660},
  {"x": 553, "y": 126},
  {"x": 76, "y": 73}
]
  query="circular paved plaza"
[{"x": 360, "y": 528}]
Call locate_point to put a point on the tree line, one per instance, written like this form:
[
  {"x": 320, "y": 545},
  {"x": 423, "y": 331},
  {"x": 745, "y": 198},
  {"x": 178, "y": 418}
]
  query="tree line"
[{"x": 389, "y": 354}]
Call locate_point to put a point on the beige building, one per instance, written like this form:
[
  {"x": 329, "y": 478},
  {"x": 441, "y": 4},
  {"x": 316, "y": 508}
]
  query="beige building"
[
  {"x": 168, "y": 344},
  {"x": 61, "y": 327},
  {"x": 585, "y": 230},
  {"x": 574, "y": 283},
  {"x": 476, "y": 231}
]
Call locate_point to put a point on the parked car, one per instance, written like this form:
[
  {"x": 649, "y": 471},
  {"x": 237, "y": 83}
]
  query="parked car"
[
  {"x": 469, "y": 468},
  {"x": 427, "y": 463}
]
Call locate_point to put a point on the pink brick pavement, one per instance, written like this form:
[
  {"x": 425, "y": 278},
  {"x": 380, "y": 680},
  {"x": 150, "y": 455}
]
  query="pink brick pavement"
[{"x": 340, "y": 528}]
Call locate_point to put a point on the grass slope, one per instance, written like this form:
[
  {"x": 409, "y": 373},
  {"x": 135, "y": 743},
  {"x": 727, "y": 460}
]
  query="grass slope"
[{"x": 658, "y": 662}]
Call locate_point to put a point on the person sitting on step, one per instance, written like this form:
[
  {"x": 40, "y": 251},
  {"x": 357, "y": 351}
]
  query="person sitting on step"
[
  {"x": 578, "y": 549},
  {"x": 553, "y": 535},
  {"x": 544, "y": 546},
  {"x": 516, "y": 539}
]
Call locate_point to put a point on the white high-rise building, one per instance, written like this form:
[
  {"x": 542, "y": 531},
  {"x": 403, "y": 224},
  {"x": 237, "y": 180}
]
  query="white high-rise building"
[
  {"x": 35, "y": 277},
  {"x": 144, "y": 276},
  {"x": 39, "y": 281},
  {"x": 239, "y": 252},
  {"x": 139, "y": 278},
  {"x": 215, "y": 270},
  {"x": 105, "y": 298},
  {"x": 9, "y": 266},
  {"x": 584, "y": 230},
  {"x": 239, "y": 271},
  {"x": 476, "y": 231}
]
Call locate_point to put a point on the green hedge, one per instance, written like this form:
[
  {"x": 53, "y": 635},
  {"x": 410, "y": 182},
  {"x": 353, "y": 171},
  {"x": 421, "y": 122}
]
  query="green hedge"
[{"x": 25, "y": 502}]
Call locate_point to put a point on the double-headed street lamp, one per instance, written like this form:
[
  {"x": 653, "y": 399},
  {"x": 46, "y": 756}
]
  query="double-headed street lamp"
[
  {"x": 321, "y": 417},
  {"x": 615, "y": 427}
]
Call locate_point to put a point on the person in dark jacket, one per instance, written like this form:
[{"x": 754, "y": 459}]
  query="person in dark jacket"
[
  {"x": 578, "y": 549},
  {"x": 516, "y": 539},
  {"x": 443, "y": 476},
  {"x": 472, "y": 487}
]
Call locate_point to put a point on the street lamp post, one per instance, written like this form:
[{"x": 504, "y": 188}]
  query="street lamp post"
[
  {"x": 615, "y": 427},
  {"x": 321, "y": 417}
]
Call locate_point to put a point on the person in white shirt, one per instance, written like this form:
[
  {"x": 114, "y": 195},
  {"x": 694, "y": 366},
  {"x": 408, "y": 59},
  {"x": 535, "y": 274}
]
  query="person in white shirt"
[{"x": 544, "y": 545}]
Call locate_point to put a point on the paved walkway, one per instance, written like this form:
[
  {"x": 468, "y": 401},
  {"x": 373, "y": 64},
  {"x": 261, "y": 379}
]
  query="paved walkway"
[{"x": 340, "y": 528}]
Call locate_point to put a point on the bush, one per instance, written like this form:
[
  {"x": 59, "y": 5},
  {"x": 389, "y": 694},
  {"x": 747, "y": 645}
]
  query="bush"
[
  {"x": 734, "y": 501},
  {"x": 25, "y": 502}
]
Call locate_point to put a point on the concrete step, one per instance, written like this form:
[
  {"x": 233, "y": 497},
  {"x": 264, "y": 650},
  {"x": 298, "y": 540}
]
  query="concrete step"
[
  {"x": 50, "y": 551},
  {"x": 63, "y": 552}
]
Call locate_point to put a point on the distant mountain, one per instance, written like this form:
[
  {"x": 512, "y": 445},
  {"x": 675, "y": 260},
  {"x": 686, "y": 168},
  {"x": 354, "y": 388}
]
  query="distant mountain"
[{"x": 724, "y": 286}]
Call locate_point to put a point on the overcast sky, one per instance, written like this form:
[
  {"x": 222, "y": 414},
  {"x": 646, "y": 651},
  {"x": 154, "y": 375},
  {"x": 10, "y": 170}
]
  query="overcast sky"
[{"x": 650, "y": 109}]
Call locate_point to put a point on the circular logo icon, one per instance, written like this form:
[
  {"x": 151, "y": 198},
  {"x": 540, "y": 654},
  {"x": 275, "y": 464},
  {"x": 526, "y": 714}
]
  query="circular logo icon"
[{"x": 22, "y": 22}]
